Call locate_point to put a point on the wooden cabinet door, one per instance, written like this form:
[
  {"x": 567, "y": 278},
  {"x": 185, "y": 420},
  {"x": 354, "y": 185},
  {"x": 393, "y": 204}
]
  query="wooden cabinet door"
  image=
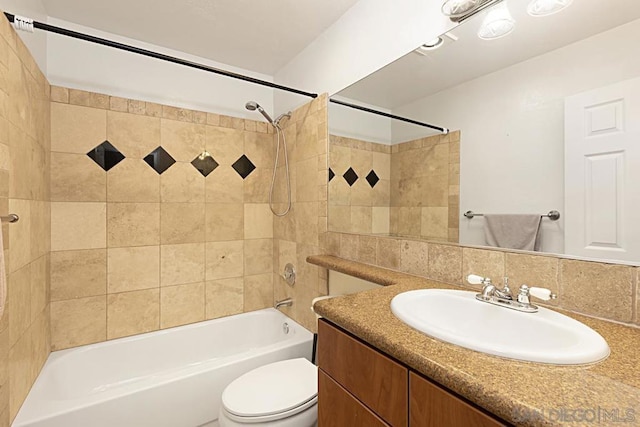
[
  {"x": 432, "y": 406},
  {"x": 338, "y": 408},
  {"x": 373, "y": 378}
]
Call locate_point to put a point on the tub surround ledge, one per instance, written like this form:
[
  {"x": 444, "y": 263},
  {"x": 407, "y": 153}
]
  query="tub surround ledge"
[{"x": 522, "y": 393}]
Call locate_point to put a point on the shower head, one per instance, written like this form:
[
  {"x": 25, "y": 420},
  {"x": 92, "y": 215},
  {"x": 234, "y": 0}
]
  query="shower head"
[{"x": 252, "y": 106}]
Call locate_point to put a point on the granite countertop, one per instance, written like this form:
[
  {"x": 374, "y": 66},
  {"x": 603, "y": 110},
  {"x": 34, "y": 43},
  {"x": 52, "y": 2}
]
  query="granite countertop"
[{"x": 522, "y": 393}]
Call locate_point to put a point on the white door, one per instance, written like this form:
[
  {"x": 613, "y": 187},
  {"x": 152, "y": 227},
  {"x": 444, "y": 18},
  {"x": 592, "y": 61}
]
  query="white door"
[{"x": 602, "y": 172}]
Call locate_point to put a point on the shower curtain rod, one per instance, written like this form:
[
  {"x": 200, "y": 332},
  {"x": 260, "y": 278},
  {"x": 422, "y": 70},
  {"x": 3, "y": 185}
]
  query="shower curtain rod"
[
  {"x": 391, "y": 116},
  {"x": 163, "y": 57}
]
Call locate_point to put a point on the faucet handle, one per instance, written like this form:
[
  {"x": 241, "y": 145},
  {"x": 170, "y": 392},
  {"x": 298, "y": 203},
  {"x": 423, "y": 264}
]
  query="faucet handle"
[
  {"x": 542, "y": 293},
  {"x": 474, "y": 279}
]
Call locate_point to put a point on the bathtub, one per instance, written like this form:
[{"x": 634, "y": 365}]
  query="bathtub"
[{"x": 171, "y": 378}]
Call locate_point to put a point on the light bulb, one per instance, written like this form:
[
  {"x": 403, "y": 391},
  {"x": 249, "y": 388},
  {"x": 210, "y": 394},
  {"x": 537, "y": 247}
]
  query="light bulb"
[
  {"x": 457, "y": 8},
  {"x": 498, "y": 23},
  {"x": 539, "y": 8}
]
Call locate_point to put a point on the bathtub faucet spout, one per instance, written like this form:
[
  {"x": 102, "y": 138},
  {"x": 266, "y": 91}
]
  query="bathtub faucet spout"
[{"x": 284, "y": 303}]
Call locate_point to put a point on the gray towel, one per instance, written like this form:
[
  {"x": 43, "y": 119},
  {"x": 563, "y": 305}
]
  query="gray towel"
[{"x": 512, "y": 231}]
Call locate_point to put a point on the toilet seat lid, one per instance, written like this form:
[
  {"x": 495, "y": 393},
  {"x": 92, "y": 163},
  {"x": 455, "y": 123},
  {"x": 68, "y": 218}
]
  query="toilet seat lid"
[{"x": 272, "y": 389}]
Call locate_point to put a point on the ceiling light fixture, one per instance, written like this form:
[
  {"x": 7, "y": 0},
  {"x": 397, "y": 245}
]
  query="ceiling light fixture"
[
  {"x": 433, "y": 44},
  {"x": 540, "y": 8},
  {"x": 458, "y": 8},
  {"x": 498, "y": 23}
]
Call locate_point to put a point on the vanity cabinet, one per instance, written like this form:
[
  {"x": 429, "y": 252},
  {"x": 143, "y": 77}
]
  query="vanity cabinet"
[{"x": 360, "y": 386}]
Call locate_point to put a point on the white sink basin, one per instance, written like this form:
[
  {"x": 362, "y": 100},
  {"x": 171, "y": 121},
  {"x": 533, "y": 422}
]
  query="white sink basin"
[{"x": 458, "y": 318}]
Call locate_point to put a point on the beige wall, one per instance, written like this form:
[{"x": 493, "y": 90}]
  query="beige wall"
[
  {"x": 24, "y": 190},
  {"x": 135, "y": 251},
  {"x": 417, "y": 194},
  {"x": 302, "y": 232},
  {"x": 607, "y": 291}
]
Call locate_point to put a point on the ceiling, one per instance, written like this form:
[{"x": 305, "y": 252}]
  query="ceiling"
[
  {"x": 414, "y": 76},
  {"x": 260, "y": 36}
]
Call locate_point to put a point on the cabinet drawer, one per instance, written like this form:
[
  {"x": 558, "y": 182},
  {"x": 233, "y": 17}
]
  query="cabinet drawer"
[
  {"x": 432, "y": 406},
  {"x": 338, "y": 408},
  {"x": 373, "y": 378}
]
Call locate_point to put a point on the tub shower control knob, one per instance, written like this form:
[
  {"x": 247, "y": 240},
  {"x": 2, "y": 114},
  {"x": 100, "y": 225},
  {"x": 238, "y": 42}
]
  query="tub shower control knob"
[{"x": 289, "y": 274}]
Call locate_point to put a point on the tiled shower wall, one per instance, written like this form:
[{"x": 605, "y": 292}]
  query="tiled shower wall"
[
  {"x": 135, "y": 248},
  {"x": 409, "y": 189},
  {"x": 359, "y": 185},
  {"x": 607, "y": 291},
  {"x": 425, "y": 187},
  {"x": 302, "y": 231},
  {"x": 24, "y": 190}
]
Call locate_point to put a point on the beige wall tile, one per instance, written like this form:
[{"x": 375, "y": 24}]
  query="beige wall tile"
[
  {"x": 132, "y": 180},
  {"x": 380, "y": 220},
  {"x": 184, "y": 141},
  {"x": 182, "y": 304},
  {"x": 339, "y": 218},
  {"x": 133, "y": 224},
  {"x": 224, "y": 260},
  {"x": 77, "y": 178},
  {"x": 133, "y": 135},
  {"x": 40, "y": 285},
  {"x": 224, "y": 221},
  {"x": 182, "y": 223},
  {"x": 180, "y": 264},
  {"x": 306, "y": 223},
  {"x": 78, "y": 225},
  {"x": 258, "y": 221},
  {"x": 349, "y": 246},
  {"x": 76, "y": 129},
  {"x": 388, "y": 253},
  {"x": 20, "y": 378},
  {"x": 59, "y": 94},
  {"x": 225, "y": 145},
  {"x": 89, "y": 99},
  {"x": 224, "y": 185},
  {"x": 257, "y": 185},
  {"x": 258, "y": 256},
  {"x": 414, "y": 257},
  {"x": 78, "y": 274},
  {"x": 19, "y": 244},
  {"x": 78, "y": 322},
  {"x": 182, "y": 183},
  {"x": 19, "y": 292},
  {"x": 260, "y": 149},
  {"x": 361, "y": 219},
  {"x": 434, "y": 222},
  {"x": 445, "y": 263},
  {"x": 540, "y": 271},
  {"x": 258, "y": 292},
  {"x": 132, "y": 269},
  {"x": 578, "y": 293},
  {"x": 131, "y": 313},
  {"x": 484, "y": 263},
  {"x": 367, "y": 247},
  {"x": 224, "y": 297}
]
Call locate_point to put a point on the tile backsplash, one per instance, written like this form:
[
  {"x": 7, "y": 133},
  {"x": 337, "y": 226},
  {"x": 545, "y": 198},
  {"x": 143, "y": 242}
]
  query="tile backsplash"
[
  {"x": 159, "y": 217},
  {"x": 599, "y": 289}
]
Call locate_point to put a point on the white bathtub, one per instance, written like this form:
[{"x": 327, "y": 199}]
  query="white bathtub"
[{"x": 169, "y": 378}]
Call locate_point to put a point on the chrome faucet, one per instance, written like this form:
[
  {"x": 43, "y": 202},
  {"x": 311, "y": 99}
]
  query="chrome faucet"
[
  {"x": 284, "y": 303},
  {"x": 503, "y": 297}
]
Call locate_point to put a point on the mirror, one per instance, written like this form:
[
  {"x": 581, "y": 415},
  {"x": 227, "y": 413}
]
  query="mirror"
[{"x": 563, "y": 83}]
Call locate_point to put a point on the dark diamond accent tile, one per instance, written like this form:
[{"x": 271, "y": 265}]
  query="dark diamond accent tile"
[
  {"x": 243, "y": 166},
  {"x": 106, "y": 155},
  {"x": 372, "y": 179},
  {"x": 331, "y": 174},
  {"x": 204, "y": 163},
  {"x": 350, "y": 176},
  {"x": 159, "y": 160}
]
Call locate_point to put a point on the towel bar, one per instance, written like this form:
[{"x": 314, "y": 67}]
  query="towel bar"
[
  {"x": 10, "y": 218},
  {"x": 552, "y": 215}
]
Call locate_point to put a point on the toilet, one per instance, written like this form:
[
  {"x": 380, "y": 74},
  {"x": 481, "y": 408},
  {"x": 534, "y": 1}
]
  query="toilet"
[{"x": 280, "y": 394}]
